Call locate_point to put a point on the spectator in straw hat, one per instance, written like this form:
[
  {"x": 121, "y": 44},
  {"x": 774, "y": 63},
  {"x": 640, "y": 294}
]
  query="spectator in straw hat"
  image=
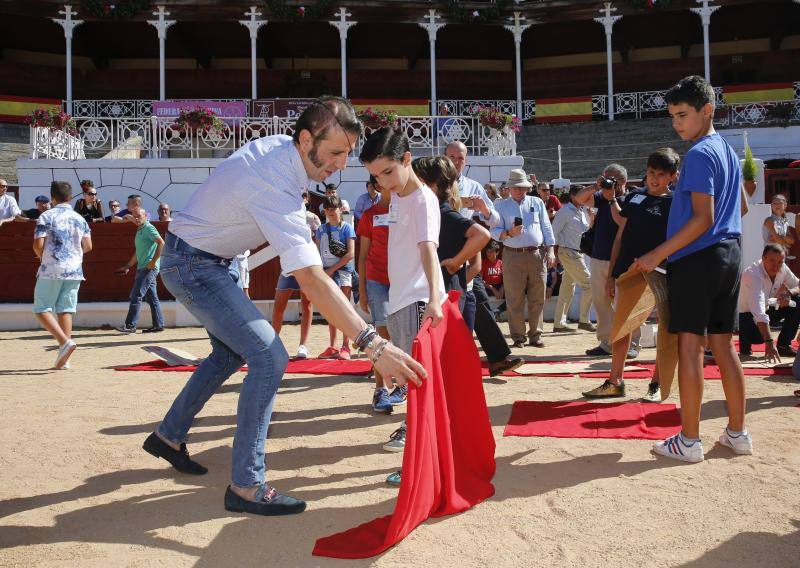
[{"x": 525, "y": 231}]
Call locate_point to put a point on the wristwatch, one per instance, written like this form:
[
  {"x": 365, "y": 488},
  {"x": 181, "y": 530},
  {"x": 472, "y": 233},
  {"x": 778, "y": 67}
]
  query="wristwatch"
[{"x": 612, "y": 200}]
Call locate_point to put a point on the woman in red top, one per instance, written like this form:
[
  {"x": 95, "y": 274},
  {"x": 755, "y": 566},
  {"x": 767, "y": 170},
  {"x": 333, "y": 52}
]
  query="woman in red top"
[{"x": 373, "y": 287}]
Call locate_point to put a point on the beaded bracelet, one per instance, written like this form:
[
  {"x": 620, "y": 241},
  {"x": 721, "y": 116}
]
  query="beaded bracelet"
[
  {"x": 364, "y": 338},
  {"x": 376, "y": 354}
]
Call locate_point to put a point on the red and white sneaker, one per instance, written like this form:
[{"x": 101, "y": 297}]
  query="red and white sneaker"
[
  {"x": 344, "y": 354},
  {"x": 329, "y": 353}
]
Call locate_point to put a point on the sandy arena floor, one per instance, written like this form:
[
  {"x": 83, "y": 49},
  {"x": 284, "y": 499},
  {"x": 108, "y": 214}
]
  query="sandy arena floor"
[{"x": 78, "y": 490}]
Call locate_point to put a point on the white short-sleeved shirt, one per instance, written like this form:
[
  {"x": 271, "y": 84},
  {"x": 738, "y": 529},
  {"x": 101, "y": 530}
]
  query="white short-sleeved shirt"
[
  {"x": 413, "y": 219},
  {"x": 63, "y": 230},
  {"x": 8, "y": 207},
  {"x": 254, "y": 196}
]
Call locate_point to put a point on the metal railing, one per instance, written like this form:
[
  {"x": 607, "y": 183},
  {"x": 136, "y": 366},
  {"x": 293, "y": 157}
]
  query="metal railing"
[
  {"x": 464, "y": 107},
  {"x": 55, "y": 144},
  {"x": 156, "y": 137}
]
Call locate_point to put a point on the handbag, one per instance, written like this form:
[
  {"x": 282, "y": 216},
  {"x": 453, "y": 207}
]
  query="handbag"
[
  {"x": 587, "y": 241},
  {"x": 337, "y": 248}
]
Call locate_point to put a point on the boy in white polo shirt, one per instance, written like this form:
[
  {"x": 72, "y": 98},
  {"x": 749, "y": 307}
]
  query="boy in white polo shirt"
[{"x": 417, "y": 287}]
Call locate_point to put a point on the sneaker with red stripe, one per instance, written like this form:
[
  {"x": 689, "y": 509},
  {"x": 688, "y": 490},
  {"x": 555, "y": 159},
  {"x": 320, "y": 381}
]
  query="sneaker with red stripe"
[
  {"x": 329, "y": 353},
  {"x": 675, "y": 447}
]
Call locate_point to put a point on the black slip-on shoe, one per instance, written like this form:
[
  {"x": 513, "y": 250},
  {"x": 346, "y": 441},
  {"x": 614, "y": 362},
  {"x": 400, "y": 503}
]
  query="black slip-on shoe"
[
  {"x": 268, "y": 503},
  {"x": 597, "y": 352},
  {"x": 156, "y": 329},
  {"x": 179, "y": 459}
]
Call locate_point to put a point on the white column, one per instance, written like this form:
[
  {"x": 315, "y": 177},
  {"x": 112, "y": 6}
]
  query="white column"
[
  {"x": 608, "y": 22},
  {"x": 705, "y": 12},
  {"x": 68, "y": 24},
  {"x": 517, "y": 29},
  {"x": 253, "y": 24},
  {"x": 343, "y": 25},
  {"x": 161, "y": 24},
  {"x": 432, "y": 28}
]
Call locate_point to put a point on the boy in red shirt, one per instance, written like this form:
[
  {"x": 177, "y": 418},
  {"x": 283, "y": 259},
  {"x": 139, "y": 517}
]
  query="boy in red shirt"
[
  {"x": 373, "y": 288},
  {"x": 492, "y": 273}
]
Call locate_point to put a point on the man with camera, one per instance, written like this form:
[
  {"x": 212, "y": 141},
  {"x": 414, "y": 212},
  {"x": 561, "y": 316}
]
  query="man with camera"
[
  {"x": 611, "y": 186},
  {"x": 525, "y": 231}
]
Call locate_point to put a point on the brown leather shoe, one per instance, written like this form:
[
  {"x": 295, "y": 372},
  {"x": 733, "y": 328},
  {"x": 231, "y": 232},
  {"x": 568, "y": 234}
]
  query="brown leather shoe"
[
  {"x": 508, "y": 364},
  {"x": 538, "y": 343},
  {"x": 518, "y": 343}
]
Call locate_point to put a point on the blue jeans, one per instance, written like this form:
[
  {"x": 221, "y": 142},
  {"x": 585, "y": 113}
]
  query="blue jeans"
[
  {"x": 144, "y": 288},
  {"x": 238, "y": 333}
]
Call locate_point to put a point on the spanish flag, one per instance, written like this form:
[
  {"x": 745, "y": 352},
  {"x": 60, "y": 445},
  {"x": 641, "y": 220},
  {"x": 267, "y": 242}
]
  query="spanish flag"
[
  {"x": 403, "y": 107},
  {"x": 570, "y": 109},
  {"x": 739, "y": 94},
  {"x": 16, "y": 109}
]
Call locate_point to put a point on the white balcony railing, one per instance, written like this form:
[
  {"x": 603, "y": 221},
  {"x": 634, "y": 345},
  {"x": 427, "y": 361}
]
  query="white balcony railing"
[
  {"x": 55, "y": 144},
  {"x": 155, "y": 137}
]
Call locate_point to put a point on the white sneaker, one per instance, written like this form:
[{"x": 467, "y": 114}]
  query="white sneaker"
[
  {"x": 653, "y": 393},
  {"x": 64, "y": 353},
  {"x": 675, "y": 448},
  {"x": 302, "y": 352},
  {"x": 741, "y": 444}
]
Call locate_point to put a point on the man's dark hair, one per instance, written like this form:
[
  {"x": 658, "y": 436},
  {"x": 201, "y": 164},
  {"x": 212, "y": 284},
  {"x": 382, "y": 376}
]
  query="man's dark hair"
[
  {"x": 330, "y": 187},
  {"x": 493, "y": 245},
  {"x": 325, "y": 113},
  {"x": 61, "y": 191},
  {"x": 773, "y": 247},
  {"x": 693, "y": 90},
  {"x": 385, "y": 142},
  {"x": 665, "y": 160},
  {"x": 135, "y": 196},
  {"x": 87, "y": 182},
  {"x": 575, "y": 189},
  {"x": 331, "y": 202},
  {"x": 372, "y": 180}
]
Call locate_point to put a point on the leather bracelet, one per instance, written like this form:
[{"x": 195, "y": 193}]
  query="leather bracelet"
[
  {"x": 364, "y": 337},
  {"x": 376, "y": 354}
]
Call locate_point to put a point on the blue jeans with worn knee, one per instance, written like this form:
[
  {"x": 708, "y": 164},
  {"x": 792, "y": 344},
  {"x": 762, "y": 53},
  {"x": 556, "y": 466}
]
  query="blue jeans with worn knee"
[
  {"x": 239, "y": 333},
  {"x": 144, "y": 288}
]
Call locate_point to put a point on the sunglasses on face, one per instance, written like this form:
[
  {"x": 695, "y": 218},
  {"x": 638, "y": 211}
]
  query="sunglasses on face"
[{"x": 89, "y": 193}]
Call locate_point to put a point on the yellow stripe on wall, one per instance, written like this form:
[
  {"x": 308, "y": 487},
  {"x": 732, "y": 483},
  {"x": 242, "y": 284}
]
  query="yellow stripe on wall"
[
  {"x": 564, "y": 109},
  {"x": 19, "y": 108},
  {"x": 759, "y": 96},
  {"x": 402, "y": 110}
]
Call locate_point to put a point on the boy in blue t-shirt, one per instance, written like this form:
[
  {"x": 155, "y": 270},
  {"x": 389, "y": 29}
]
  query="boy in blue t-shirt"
[
  {"x": 336, "y": 240},
  {"x": 704, "y": 258}
]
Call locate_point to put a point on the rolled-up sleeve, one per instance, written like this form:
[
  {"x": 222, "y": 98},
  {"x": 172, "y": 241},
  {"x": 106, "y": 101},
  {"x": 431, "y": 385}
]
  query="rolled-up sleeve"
[
  {"x": 286, "y": 230},
  {"x": 754, "y": 296},
  {"x": 547, "y": 229}
]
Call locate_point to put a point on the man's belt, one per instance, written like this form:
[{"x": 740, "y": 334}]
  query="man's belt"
[{"x": 523, "y": 249}]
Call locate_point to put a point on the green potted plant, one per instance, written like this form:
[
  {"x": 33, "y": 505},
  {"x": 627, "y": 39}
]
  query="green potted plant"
[{"x": 749, "y": 171}]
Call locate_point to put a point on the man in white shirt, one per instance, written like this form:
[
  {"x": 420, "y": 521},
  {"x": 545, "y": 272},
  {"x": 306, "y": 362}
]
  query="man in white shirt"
[
  {"x": 474, "y": 199},
  {"x": 767, "y": 293},
  {"x": 8, "y": 205},
  {"x": 263, "y": 184}
]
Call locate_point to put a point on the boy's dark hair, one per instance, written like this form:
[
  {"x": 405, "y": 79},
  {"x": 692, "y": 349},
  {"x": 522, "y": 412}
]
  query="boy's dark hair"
[
  {"x": 575, "y": 189},
  {"x": 693, "y": 90},
  {"x": 385, "y": 142},
  {"x": 87, "y": 182},
  {"x": 773, "y": 247},
  {"x": 372, "y": 180},
  {"x": 326, "y": 113},
  {"x": 665, "y": 160},
  {"x": 437, "y": 170},
  {"x": 493, "y": 245},
  {"x": 331, "y": 202},
  {"x": 61, "y": 191}
]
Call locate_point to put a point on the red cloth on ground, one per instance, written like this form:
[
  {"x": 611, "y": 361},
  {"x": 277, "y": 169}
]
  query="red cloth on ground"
[
  {"x": 378, "y": 256},
  {"x": 448, "y": 462},
  {"x": 578, "y": 419},
  {"x": 758, "y": 347},
  {"x": 297, "y": 366},
  {"x": 710, "y": 372}
]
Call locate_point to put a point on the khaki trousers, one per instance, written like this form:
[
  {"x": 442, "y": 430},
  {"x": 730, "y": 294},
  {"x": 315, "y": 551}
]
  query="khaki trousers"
[
  {"x": 604, "y": 305},
  {"x": 524, "y": 276},
  {"x": 575, "y": 272}
]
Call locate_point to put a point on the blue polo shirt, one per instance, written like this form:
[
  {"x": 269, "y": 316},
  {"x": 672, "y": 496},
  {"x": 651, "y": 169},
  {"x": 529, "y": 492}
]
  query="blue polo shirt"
[{"x": 711, "y": 167}]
